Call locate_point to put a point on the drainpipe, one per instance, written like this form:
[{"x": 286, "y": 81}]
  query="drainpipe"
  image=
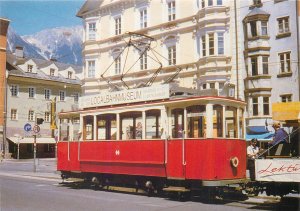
[
  {"x": 236, "y": 51},
  {"x": 298, "y": 47}
]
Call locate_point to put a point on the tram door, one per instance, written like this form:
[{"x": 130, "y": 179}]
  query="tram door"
[{"x": 176, "y": 146}]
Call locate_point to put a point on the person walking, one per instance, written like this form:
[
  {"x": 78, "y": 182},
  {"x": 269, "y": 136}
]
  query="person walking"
[{"x": 1, "y": 156}]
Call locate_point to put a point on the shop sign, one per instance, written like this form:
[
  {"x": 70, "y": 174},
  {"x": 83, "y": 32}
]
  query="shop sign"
[{"x": 125, "y": 96}]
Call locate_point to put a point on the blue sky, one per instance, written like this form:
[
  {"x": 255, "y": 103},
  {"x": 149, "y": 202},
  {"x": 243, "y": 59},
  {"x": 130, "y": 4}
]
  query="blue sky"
[{"x": 30, "y": 16}]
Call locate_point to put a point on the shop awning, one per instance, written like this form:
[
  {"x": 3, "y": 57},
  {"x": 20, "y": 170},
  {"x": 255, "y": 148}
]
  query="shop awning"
[
  {"x": 289, "y": 111},
  {"x": 259, "y": 132},
  {"x": 30, "y": 140}
]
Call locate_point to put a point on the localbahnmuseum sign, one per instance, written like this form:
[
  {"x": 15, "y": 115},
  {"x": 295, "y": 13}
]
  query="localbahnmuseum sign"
[
  {"x": 280, "y": 170},
  {"x": 125, "y": 96}
]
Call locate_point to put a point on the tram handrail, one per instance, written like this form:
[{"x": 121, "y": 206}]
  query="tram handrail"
[{"x": 183, "y": 148}]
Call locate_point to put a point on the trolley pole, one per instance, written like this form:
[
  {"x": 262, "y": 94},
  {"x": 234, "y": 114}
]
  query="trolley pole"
[{"x": 34, "y": 153}]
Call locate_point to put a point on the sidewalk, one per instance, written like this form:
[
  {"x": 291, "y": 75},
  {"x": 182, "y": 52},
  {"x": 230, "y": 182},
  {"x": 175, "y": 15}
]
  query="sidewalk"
[{"x": 45, "y": 168}]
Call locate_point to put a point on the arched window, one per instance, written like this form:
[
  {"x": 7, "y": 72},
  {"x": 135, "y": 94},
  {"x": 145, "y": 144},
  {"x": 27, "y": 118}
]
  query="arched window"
[
  {"x": 217, "y": 121},
  {"x": 196, "y": 121},
  {"x": 230, "y": 122}
]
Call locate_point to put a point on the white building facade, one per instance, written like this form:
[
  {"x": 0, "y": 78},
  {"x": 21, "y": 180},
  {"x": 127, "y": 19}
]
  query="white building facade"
[
  {"x": 193, "y": 45},
  {"x": 37, "y": 89},
  {"x": 271, "y": 56}
]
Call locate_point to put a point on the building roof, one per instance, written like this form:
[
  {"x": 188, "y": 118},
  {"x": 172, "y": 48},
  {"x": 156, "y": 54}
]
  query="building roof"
[
  {"x": 256, "y": 11},
  {"x": 88, "y": 6},
  {"x": 13, "y": 68}
]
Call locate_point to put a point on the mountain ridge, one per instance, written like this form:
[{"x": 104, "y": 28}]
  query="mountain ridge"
[{"x": 60, "y": 43}]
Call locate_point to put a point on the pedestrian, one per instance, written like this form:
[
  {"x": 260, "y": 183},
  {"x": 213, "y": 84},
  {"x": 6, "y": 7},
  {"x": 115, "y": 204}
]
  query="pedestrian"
[
  {"x": 1, "y": 156},
  {"x": 279, "y": 136},
  {"x": 252, "y": 153}
]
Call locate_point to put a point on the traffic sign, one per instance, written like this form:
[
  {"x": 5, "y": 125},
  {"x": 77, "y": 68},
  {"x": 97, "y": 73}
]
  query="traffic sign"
[
  {"x": 36, "y": 129},
  {"x": 27, "y": 127}
]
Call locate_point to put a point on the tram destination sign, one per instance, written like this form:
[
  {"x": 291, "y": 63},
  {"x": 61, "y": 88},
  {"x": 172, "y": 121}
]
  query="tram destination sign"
[{"x": 125, "y": 96}]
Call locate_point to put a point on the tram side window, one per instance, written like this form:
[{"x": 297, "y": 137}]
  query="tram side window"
[
  {"x": 217, "y": 121},
  {"x": 153, "y": 124},
  {"x": 64, "y": 129},
  {"x": 196, "y": 121},
  {"x": 76, "y": 128},
  {"x": 177, "y": 123},
  {"x": 106, "y": 127},
  {"x": 230, "y": 122},
  {"x": 88, "y": 128},
  {"x": 131, "y": 125}
]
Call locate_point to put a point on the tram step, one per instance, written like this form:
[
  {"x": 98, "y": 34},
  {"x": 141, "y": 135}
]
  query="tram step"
[
  {"x": 123, "y": 189},
  {"x": 176, "y": 189}
]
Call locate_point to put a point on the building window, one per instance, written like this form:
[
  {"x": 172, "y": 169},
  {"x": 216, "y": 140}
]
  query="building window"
[
  {"x": 13, "y": 114},
  {"x": 264, "y": 28},
  {"x": 255, "y": 106},
  {"x": 253, "y": 28},
  {"x": 143, "y": 18},
  {"x": 203, "y": 45},
  {"x": 70, "y": 74},
  {"x": 211, "y": 85},
  {"x": 62, "y": 95},
  {"x": 211, "y": 43},
  {"x": 266, "y": 106},
  {"x": 254, "y": 66},
  {"x": 203, "y": 3},
  {"x": 31, "y": 92},
  {"x": 143, "y": 61},
  {"x": 29, "y": 68},
  {"x": 91, "y": 69},
  {"x": 219, "y": 2},
  {"x": 204, "y": 86},
  {"x": 14, "y": 90},
  {"x": 265, "y": 65},
  {"x": 283, "y": 25},
  {"x": 47, "y": 116},
  {"x": 285, "y": 62},
  {"x": 172, "y": 55},
  {"x": 47, "y": 93},
  {"x": 210, "y": 2},
  {"x": 76, "y": 97},
  {"x": 286, "y": 98},
  {"x": 118, "y": 26},
  {"x": 118, "y": 65},
  {"x": 92, "y": 31},
  {"x": 221, "y": 43},
  {"x": 30, "y": 115},
  {"x": 171, "y": 11},
  {"x": 52, "y": 71}
]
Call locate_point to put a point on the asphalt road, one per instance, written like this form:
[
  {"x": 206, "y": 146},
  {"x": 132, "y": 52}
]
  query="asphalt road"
[{"x": 21, "y": 189}]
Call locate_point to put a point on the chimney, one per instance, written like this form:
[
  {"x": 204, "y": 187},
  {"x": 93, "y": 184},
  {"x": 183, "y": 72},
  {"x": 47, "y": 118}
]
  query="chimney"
[{"x": 19, "y": 51}]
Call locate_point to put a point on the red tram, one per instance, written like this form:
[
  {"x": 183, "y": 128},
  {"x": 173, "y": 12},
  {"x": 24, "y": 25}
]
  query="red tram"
[{"x": 157, "y": 138}]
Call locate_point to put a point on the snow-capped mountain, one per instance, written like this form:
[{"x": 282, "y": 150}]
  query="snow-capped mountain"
[
  {"x": 13, "y": 40},
  {"x": 63, "y": 44}
]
